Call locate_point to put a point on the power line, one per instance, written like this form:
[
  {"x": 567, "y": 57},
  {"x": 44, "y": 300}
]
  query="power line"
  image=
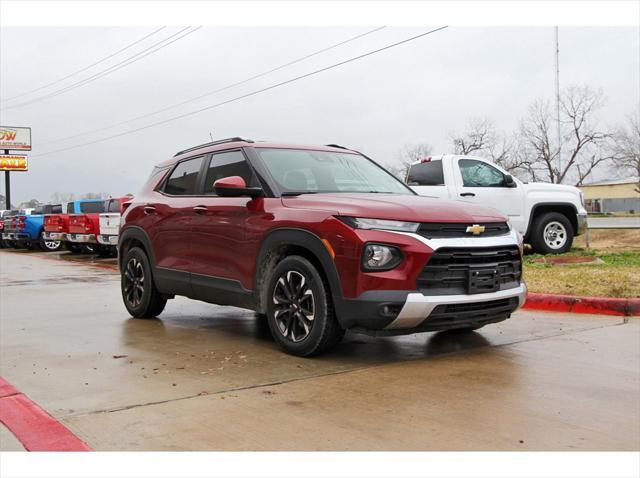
[
  {"x": 83, "y": 69},
  {"x": 253, "y": 93},
  {"x": 209, "y": 93},
  {"x": 127, "y": 61}
]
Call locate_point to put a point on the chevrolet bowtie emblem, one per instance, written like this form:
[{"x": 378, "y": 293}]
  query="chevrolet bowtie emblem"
[{"x": 475, "y": 229}]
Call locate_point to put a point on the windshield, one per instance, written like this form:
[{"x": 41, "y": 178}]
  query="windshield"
[{"x": 302, "y": 171}]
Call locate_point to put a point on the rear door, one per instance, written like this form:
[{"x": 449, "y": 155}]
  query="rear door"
[
  {"x": 482, "y": 183},
  {"x": 172, "y": 212},
  {"x": 220, "y": 251},
  {"x": 427, "y": 178}
]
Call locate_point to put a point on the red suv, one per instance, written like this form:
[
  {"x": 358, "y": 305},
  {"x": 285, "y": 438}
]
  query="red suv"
[{"x": 319, "y": 239}]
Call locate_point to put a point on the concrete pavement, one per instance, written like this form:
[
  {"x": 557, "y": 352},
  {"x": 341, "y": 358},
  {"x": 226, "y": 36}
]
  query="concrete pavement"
[{"x": 210, "y": 378}]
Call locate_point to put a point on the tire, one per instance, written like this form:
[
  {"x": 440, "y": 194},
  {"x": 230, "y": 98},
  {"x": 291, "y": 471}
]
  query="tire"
[
  {"x": 50, "y": 246},
  {"x": 552, "y": 233},
  {"x": 296, "y": 291},
  {"x": 139, "y": 293},
  {"x": 73, "y": 248}
]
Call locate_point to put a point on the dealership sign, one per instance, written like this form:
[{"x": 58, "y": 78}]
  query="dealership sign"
[
  {"x": 13, "y": 162},
  {"x": 17, "y": 138}
]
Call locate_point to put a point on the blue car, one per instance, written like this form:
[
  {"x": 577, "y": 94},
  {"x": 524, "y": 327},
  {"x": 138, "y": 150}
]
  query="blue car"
[{"x": 30, "y": 228}]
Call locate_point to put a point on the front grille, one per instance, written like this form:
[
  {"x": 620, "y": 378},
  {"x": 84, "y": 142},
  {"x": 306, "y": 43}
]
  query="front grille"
[
  {"x": 449, "y": 269},
  {"x": 432, "y": 230}
]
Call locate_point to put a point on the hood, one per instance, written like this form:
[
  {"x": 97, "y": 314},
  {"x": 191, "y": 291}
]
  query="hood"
[
  {"x": 399, "y": 207},
  {"x": 563, "y": 188}
]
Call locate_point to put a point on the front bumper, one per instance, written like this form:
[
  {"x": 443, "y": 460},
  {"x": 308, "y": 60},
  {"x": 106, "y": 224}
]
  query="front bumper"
[
  {"x": 82, "y": 238},
  {"x": 582, "y": 223},
  {"x": 55, "y": 236},
  {"x": 108, "y": 240},
  {"x": 403, "y": 312}
]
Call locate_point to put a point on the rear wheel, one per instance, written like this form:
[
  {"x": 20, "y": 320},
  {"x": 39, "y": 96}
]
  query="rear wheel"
[
  {"x": 552, "y": 233},
  {"x": 139, "y": 293},
  {"x": 48, "y": 245},
  {"x": 300, "y": 310}
]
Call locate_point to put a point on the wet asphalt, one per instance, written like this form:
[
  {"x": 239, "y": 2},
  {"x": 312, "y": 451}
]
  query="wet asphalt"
[{"x": 204, "y": 377}]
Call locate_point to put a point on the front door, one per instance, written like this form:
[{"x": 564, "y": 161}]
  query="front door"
[
  {"x": 482, "y": 183},
  {"x": 220, "y": 250}
]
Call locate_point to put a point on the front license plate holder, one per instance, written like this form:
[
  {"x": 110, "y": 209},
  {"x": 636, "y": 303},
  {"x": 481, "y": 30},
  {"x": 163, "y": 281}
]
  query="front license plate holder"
[{"x": 481, "y": 281}]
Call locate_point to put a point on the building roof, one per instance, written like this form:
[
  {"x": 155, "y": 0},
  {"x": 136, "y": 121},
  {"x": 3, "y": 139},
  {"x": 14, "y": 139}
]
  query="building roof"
[{"x": 612, "y": 182}]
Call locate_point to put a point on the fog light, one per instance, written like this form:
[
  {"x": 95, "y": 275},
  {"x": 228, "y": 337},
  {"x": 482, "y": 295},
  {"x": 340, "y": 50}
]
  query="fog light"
[{"x": 378, "y": 257}]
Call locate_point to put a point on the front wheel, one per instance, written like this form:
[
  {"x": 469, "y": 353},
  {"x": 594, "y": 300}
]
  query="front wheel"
[
  {"x": 300, "y": 310},
  {"x": 48, "y": 245},
  {"x": 552, "y": 233},
  {"x": 139, "y": 293}
]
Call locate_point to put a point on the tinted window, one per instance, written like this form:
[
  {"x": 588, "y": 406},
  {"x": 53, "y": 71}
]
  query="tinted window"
[
  {"x": 38, "y": 210},
  {"x": 426, "y": 174},
  {"x": 71, "y": 208},
  {"x": 51, "y": 209},
  {"x": 480, "y": 174},
  {"x": 184, "y": 178},
  {"x": 91, "y": 207},
  {"x": 231, "y": 163},
  {"x": 112, "y": 205}
]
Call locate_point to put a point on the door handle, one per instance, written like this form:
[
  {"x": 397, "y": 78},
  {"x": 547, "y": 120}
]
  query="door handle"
[
  {"x": 200, "y": 209},
  {"x": 467, "y": 194},
  {"x": 149, "y": 209}
]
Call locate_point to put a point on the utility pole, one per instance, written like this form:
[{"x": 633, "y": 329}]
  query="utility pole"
[
  {"x": 558, "y": 105},
  {"x": 7, "y": 186}
]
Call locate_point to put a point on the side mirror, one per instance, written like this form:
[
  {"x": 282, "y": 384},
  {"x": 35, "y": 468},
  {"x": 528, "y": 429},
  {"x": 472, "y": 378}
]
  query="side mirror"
[
  {"x": 234, "y": 186},
  {"x": 508, "y": 181}
]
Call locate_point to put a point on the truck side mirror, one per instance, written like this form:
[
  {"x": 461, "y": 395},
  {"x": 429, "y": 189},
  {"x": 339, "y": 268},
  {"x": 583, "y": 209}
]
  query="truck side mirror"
[{"x": 508, "y": 181}]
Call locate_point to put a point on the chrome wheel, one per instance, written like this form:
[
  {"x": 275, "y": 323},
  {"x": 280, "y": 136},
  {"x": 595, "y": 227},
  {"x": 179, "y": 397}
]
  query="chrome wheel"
[
  {"x": 555, "y": 235},
  {"x": 52, "y": 245},
  {"x": 294, "y": 306},
  {"x": 134, "y": 282}
]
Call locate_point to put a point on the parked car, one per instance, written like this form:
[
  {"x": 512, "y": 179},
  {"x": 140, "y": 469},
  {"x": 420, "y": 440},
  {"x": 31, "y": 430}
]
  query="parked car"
[
  {"x": 110, "y": 222},
  {"x": 317, "y": 238},
  {"x": 4, "y": 216},
  {"x": 57, "y": 226},
  {"x": 549, "y": 216},
  {"x": 29, "y": 230},
  {"x": 13, "y": 225}
]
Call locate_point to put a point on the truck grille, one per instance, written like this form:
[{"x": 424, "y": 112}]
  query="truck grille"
[
  {"x": 451, "y": 270},
  {"x": 432, "y": 230}
]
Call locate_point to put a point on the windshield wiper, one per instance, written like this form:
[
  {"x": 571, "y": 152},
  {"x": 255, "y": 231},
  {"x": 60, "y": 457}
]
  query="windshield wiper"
[{"x": 296, "y": 193}]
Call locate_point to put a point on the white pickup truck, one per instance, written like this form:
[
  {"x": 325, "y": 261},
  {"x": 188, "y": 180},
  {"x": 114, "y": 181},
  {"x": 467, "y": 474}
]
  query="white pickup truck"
[
  {"x": 547, "y": 215},
  {"x": 110, "y": 222}
]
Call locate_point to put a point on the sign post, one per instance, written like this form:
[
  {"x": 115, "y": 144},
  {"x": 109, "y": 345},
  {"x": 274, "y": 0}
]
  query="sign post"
[{"x": 17, "y": 139}]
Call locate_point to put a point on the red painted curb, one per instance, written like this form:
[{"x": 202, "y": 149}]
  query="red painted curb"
[
  {"x": 583, "y": 305},
  {"x": 33, "y": 426}
]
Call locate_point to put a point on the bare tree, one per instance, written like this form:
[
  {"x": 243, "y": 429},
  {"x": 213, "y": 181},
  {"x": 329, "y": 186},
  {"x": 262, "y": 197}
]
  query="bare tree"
[
  {"x": 584, "y": 145},
  {"x": 409, "y": 154},
  {"x": 627, "y": 148},
  {"x": 62, "y": 198},
  {"x": 479, "y": 135}
]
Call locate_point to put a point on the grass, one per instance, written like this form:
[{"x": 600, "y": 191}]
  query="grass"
[{"x": 618, "y": 275}]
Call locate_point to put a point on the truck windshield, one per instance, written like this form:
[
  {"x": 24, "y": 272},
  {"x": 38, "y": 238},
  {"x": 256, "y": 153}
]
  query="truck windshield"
[{"x": 304, "y": 171}]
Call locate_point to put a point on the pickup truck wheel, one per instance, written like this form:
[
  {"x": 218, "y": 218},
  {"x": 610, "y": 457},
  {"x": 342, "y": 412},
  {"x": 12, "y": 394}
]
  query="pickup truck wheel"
[
  {"x": 552, "y": 234},
  {"x": 49, "y": 246},
  {"x": 300, "y": 310},
  {"x": 139, "y": 293}
]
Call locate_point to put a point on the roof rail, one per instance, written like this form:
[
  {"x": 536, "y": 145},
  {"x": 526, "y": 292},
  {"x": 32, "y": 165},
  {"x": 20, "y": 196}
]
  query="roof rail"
[
  {"x": 213, "y": 143},
  {"x": 336, "y": 146}
]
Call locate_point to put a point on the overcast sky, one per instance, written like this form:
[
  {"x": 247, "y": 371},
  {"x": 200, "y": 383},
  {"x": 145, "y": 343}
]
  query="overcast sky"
[{"x": 418, "y": 92}]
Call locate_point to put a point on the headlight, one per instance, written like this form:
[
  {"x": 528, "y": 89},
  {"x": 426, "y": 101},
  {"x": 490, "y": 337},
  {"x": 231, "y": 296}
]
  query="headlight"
[
  {"x": 379, "y": 257},
  {"x": 384, "y": 224}
]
